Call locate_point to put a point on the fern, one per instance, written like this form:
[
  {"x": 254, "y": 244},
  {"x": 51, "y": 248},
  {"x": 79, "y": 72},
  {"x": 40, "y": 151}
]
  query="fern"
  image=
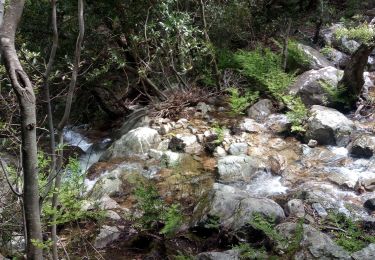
[{"x": 173, "y": 220}]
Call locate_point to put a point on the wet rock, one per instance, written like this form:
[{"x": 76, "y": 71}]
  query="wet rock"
[
  {"x": 156, "y": 154},
  {"x": 233, "y": 207},
  {"x": 115, "y": 182},
  {"x": 249, "y": 125},
  {"x": 137, "y": 141},
  {"x": 238, "y": 149},
  {"x": 370, "y": 204},
  {"x": 363, "y": 185},
  {"x": 312, "y": 143},
  {"x": 165, "y": 129},
  {"x": 310, "y": 88},
  {"x": 234, "y": 168},
  {"x": 163, "y": 145},
  {"x": 320, "y": 210},
  {"x": 261, "y": 110},
  {"x": 171, "y": 158},
  {"x": 226, "y": 255},
  {"x": 278, "y": 123},
  {"x": 314, "y": 244},
  {"x": 367, "y": 253},
  {"x": 338, "y": 58},
  {"x": 315, "y": 60},
  {"x": 106, "y": 236},
  {"x": 328, "y": 126},
  {"x": 363, "y": 146},
  {"x": 191, "y": 145},
  {"x": 295, "y": 207},
  {"x": 277, "y": 163}
]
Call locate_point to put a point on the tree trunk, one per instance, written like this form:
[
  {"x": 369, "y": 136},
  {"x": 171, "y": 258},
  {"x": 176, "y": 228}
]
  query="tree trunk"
[
  {"x": 353, "y": 79},
  {"x": 25, "y": 94}
]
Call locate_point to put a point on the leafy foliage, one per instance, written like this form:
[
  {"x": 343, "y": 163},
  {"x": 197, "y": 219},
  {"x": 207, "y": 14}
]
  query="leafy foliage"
[
  {"x": 297, "y": 113},
  {"x": 154, "y": 210},
  {"x": 363, "y": 33},
  {"x": 297, "y": 58},
  {"x": 249, "y": 252},
  {"x": 70, "y": 197},
  {"x": 238, "y": 102},
  {"x": 347, "y": 233},
  {"x": 264, "y": 68}
]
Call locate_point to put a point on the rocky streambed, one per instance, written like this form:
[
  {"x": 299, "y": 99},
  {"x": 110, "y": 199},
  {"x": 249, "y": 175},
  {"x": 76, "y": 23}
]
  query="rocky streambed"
[{"x": 232, "y": 167}]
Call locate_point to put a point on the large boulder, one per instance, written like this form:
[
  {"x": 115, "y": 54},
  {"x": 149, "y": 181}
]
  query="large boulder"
[
  {"x": 117, "y": 182},
  {"x": 261, "y": 110},
  {"x": 234, "y": 168},
  {"x": 107, "y": 235},
  {"x": 363, "y": 146},
  {"x": 136, "y": 142},
  {"x": 338, "y": 58},
  {"x": 328, "y": 126},
  {"x": 315, "y": 60},
  {"x": 234, "y": 208},
  {"x": 367, "y": 253},
  {"x": 314, "y": 244},
  {"x": 226, "y": 255},
  {"x": 311, "y": 85}
]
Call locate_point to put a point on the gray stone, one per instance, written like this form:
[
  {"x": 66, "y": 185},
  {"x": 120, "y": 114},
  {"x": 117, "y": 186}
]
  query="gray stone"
[
  {"x": 251, "y": 126},
  {"x": 312, "y": 143},
  {"x": 156, "y": 154},
  {"x": 295, "y": 207},
  {"x": 320, "y": 210},
  {"x": 219, "y": 152},
  {"x": 171, "y": 158},
  {"x": 111, "y": 183},
  {"x": 106, "y": 236},
  {"x": 112, "y": 215},
  {"x": 234, "y": 168},
  {"x": 261, "y": 110},
  {"x": 226, "y": 255},
  {"x": 363, "y": 146},
  {"x": 367, "y": 253},
  {"x": 338, "y": 58},
  {"x": 315, "y": 59},
  {"x": 343, "y": 43},
  {"x": 234, "y": 208},
  {"x": 137, "y": 141},
  {"x": 203, "y": 108},
  {"x": 310, "y": 85},
  {"x": 238, "y": 148},
  {"x": 165, "y": 129},
  {"x": 328, "y": 126},
  {"x": 314, "y": 244},
  {"x": 278, "y": 123}
]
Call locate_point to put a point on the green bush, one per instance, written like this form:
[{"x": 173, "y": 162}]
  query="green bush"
[
  {"x": 263, "y": 67},
  {"x": 239, "y": 103},
  {"x": 363, "y": 33},
  {"x": 297, "y": 113},
  {"x": 155, "y": 210},
  {"x": 347, "y": 233},
  {"x": 297, "y": 58}
]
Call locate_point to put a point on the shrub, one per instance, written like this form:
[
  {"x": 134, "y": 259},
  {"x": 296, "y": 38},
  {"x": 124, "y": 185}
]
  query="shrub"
[
  {"x": 297, "y": 58},
  {"x": 363, "y": 33},
  {"x": 263, "y": 67},
  {"x": 297, "y": 113},
  {"x": 239, "y": 103},
  {"x": 154, "y": 210},
  {"x": 348, "y": 233}
]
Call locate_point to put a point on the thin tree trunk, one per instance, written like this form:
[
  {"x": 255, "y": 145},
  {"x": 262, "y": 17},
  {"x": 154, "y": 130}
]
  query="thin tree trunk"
[
  {"x": 64, "y": 120},
  {"x": 208, "y": 40},
  {"x": 353, "y": 79},
  {"x": 285, "y": 45},
  {"x": 25, "y": 94}
]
